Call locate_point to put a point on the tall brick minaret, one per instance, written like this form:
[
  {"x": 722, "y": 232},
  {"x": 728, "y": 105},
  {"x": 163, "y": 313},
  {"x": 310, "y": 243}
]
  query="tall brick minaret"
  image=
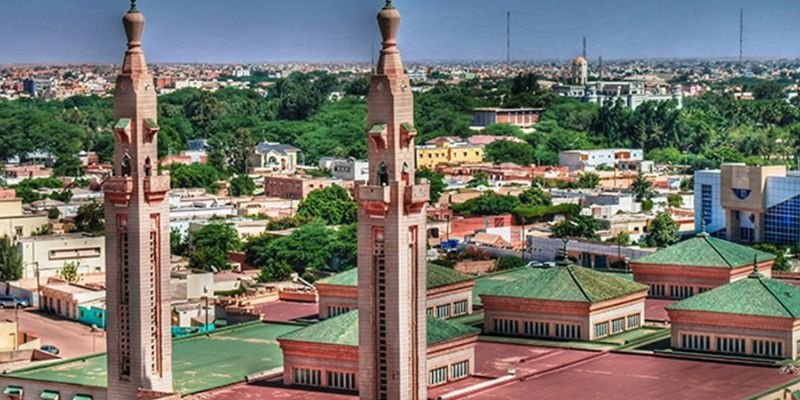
[
  {"x": 391, "y": 237},
  {"x": 137, "y": 235}
]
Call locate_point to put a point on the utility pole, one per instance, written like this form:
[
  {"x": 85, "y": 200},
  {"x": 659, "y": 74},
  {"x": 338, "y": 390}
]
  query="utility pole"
[
  {"x": 508, "y": 38},
  {"x": 741, "y": 35}
]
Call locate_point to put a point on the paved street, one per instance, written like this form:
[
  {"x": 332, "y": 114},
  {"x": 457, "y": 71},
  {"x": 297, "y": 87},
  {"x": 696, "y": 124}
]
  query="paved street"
[{"x": 72, "y": 338}]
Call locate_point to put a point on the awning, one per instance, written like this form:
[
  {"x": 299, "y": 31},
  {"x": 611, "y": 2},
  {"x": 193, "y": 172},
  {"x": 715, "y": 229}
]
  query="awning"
[
  {"x": 13, "y": 391},
  {"x": 82, "y": 397},
  {"x": 49, "y": 395}
]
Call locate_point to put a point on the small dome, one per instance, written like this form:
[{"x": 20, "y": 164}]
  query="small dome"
[{"x": 579, "y": 60}]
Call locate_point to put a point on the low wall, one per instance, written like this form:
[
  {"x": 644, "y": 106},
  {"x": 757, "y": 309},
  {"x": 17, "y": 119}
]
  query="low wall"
[
  {"x": 304, "y": 296},
  {"x": 476, "y": 267}
]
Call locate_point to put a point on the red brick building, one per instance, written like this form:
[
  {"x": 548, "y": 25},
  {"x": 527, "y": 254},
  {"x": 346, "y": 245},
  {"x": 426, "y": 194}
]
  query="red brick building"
[
  {"x": 521, "y": 117},
  {"x": 326, "y": 354},
  {"x": 697, "y": 265},
  {"x": 449, "y": 293},
  {"x": 755, "y": 316},
  {"x": 564, "y": 302}
]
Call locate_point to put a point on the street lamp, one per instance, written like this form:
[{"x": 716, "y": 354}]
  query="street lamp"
[{"x": 205, "y": 297}]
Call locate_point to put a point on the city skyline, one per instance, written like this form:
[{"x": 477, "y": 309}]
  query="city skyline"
[{"x": 270, "y": 31}]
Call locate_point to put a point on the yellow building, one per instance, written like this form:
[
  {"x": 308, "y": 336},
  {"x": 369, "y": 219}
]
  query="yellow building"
[
  {"x": 448, "y": 150},
  {"x": 13, "y": 222}
]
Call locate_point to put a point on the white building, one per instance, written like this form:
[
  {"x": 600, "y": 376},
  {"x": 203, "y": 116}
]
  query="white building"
[
  {"x": 708, "y": 210},
  {"x": 622, "y": 159},
  {"x": 46, "y": 255},
  {"x": 346, "y": 169}
]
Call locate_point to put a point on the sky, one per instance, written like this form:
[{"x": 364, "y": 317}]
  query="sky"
[{"x": 236, "y": 31}]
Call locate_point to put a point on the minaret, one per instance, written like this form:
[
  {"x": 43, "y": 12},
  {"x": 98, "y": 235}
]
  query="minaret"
[
  {"x": 391, "y": 237},
  {"x": 137, "y": 235}
]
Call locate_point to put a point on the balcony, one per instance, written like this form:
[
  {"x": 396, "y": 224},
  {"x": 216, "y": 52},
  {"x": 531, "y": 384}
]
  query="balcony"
[
  {"x": 375, "y": 199},
  {"x": 378, "y": 135},
  {"x": 119, "y": 190},
  {"x": 415, "y": 197},
  {"x": 156, "y": 188},
  {"x": 407, "y": 133}
]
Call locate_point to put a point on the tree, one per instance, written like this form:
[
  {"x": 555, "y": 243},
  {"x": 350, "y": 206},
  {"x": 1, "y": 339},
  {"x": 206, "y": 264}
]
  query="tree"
[
  {"x": 509, "y": 262},
  {"x": 621, "y": 239},
  {"x": 502, "y": 151},
  {"x": 195, "y": 176},
  {"x": 53, "y": 213},
  {"x": 502, "y": 130},
  {"x": 10, "y": 261},
  {"x": 780, "y": 263},
  {"x": 177, "y": 243},
  {"x": 69, "y": 272},
  {"x": 63, "y": 196},
  {"x": 331, "y": 205},
  {"x": 436, "y": 180},
  {"x": 242, "y": 185},
  {"x": 588, "y": 180},
  {"x": 479, "y": 179},
  {"x": 211, "y": 244},
  {"x": 663, "y": 231},
  {"x": 488, "y": 203},
  {"x": 90, "y": 218},
  {"x": 674, "y": 200},
  {"x": 535, "y": 196},
  {"x": 767, "y": 90},
  {"x": 577, "y": 226},
  {"x": 641, "y": 187},
  {"x": 242, "y": 152},
  {"x": 68, "y": 165}
]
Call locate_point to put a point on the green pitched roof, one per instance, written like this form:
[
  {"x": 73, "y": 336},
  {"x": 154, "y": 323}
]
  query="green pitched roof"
[
  {"x": 568, "y": 283},
  {"x": 438, "y": 276},
  {"x": 755, "y": 295},
  {"x": 706, "y": 251},
  {"x": 343, "y": 330}
]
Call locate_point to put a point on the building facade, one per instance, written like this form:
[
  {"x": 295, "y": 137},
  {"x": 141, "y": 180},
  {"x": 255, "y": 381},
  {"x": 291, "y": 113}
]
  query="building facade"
[
  {"x": 621, "y": 159},
  {"x": 749, "y": 204},
  {"x": 430, "y": 155},
  {"x": 391, "y": 236},
  {"x": 293, "y": 187},
  {"x": 565, "y": 303},
  {"x": 449, "y": 293},
  {"x": 326, "y": 354},
  {"x": 14, "y": 223},
  {"x": 346, "y": 169},
  {"x": 520, "y": 117},
  {"x": 137, "y": 235},
  {"x": 697, "y": 265},
  {"x": 725, "y": 321},
  {"x": 275, "y": 157},
  {"x": 45, "y": 256}
]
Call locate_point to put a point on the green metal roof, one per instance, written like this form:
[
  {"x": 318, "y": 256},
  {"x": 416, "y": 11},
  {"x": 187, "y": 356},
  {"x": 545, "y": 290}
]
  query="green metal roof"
[
  {"x": 377, "y": 128},
  {"x": 568, "y": 283},
  {"x": 438, "y": 276},
  {"x": 122, "y": 123},
  {"x": 151, "y": 123},
  {"x": 755, "y": 295},
  {"x": 706, "y": 251},
  {"x": 343, "y": 330},
  {"x": 409, "y": 127},
  {"x": 199, "y": 363},
  {"x": 82, "y": 397}
]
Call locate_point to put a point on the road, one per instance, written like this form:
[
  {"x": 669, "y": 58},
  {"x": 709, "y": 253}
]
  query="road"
[{"x": 72, "y": 338}]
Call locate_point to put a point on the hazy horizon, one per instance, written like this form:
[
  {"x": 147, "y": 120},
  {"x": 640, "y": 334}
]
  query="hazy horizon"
[{"x": 273, "y": 31}]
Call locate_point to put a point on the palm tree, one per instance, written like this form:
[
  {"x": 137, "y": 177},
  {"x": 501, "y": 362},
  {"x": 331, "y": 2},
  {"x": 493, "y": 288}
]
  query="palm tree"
[{"x": 641, "y": 187}]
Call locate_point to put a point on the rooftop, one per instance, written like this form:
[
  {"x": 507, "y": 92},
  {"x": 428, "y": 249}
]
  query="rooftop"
[
  {"x": 438, "y": 276},
  {"x": 568, "y": 283},
  {"x": 343, "y": 330},
  {"x": 199, "y": 363},
  {"x": 706, "y": 251},
  {"x": 756, "y": 295}
]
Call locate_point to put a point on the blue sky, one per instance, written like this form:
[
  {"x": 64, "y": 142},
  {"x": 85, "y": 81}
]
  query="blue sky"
[{"x": 41, "y": 31}]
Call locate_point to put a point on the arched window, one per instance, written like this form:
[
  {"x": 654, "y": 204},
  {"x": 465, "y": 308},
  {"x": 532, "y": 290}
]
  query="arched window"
[
  {"x": 125, "y": 167},
  {"x": 406, "y": 174},
  {"x": 148, "y": 167},
  {"x": 383, "y": 175}
]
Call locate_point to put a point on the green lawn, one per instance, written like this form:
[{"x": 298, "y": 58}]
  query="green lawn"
[{"x": 199, "y": 363}]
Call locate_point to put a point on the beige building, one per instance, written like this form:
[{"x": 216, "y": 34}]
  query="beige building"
[
  {"x": 746, "y": 201},
  {"x": 294, "y": 187},
  {"x": 45, "y": 256},
  {"x": 63, "y": 299},
  {"x": 14, "y": 223},
  {"x": 445, "y": 151},
  {"x": 275, "y": 157}
]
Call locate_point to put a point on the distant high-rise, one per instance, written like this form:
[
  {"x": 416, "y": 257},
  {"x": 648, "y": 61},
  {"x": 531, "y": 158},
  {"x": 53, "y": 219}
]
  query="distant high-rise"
[
  {"x": 391, "y": 237},
  {"x": 137, "y": 235}
]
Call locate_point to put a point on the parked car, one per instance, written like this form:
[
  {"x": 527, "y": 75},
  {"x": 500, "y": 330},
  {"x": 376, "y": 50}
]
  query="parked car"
[
  {"x": 49, "y": 348},
  {"x": 13, "y": 301},
  {"x": 534, "y": 264}
]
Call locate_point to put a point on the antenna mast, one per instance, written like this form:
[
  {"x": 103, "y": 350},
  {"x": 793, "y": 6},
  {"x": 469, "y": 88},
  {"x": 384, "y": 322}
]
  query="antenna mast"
[
  {"x": 508, "y": 38},
  {"x": 741, "y": 34}
]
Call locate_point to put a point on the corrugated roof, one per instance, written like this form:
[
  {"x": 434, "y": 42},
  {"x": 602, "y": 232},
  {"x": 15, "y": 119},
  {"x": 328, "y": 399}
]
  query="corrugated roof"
[
  {"x": 756, "y": 295},
  {"x": 568, "y": 283},
  {"x": 343, "y": 330},
  {"x": 438, "y": 276},
  {"x": 706, "y": 251}
]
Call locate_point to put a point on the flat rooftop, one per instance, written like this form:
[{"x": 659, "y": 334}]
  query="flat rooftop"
[
  {"x": 199, "y": 363},
  {"x": 554, "y": 373}
]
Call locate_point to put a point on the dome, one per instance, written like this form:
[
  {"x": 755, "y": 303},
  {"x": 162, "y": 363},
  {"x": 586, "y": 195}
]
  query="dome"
[{"x": 579, "y": 60}]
